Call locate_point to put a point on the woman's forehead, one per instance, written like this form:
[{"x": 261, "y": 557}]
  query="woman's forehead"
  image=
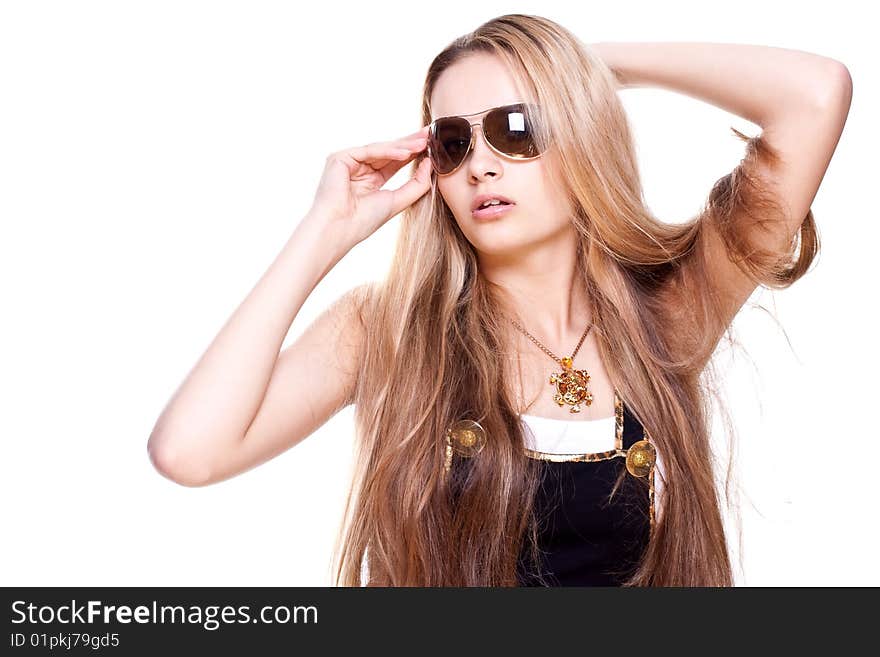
[
  {"x": 474, "y": 85},
  {"x": 473, "y": 116}
]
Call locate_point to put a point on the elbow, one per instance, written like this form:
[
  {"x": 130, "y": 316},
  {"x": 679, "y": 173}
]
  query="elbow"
[
  {"x": 173, "y": 464},
  {"x": 835, "y": 93}
]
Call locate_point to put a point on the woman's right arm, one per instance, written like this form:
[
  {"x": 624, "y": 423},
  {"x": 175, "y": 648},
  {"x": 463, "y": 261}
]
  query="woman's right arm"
[
  {"x": 201, "y": 437},
  {"x": 243, "y": 403}
]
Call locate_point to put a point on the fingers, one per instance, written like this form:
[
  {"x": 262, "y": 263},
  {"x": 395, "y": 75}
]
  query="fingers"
[
  {"x": 385, "y": 158},
  {"x": 421, "y": 133},
  {"x": 385, "y": 151},
  {"x": 389, "y": 150},
  {"x": 409, "y": 192},
  {"x": 407, "y": 155},
  {"x": 377, "y": 152},
  {"x": 412, "y": 145}
]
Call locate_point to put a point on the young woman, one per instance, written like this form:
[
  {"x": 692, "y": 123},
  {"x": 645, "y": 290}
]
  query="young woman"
[{"x": 528, "y": 378}]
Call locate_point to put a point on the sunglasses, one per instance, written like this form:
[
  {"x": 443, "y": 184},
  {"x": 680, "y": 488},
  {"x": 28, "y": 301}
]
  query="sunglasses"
[{"x": 509, "y": 130}]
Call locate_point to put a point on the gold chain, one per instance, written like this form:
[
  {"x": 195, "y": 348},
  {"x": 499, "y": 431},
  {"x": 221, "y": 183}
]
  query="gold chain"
[{"x": 547, "y": 351}]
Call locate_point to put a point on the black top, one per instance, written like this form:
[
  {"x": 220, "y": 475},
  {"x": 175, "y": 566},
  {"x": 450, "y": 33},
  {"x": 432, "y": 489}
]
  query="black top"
[{"x": 585, "y": 539}]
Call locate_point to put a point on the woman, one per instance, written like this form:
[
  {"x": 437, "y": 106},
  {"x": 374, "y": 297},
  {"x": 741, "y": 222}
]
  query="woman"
[{"x": 524, "y": 374}]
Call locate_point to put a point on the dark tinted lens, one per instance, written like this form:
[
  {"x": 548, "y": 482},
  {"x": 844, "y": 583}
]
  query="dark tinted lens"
[
  {"x": 511, "y": 130},
  {"x": 448, "y": 143}
]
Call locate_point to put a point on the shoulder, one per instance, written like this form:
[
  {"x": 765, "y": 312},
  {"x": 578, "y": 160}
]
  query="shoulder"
[{"x": 354, "y": 304}]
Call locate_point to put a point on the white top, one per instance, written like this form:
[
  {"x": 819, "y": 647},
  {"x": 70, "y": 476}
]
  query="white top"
[{"x": 554, "y": 436}]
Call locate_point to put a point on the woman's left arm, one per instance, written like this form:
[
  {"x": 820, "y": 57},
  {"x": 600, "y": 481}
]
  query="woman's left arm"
[{"x": 799, "y": 99}]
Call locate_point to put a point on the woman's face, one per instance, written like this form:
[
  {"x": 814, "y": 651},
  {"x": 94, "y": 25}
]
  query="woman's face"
[{"x": 540, "y": 212}]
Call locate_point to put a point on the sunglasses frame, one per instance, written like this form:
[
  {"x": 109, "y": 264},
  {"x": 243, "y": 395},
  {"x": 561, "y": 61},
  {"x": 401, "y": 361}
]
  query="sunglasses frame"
[{"x": 479, "y": 124}]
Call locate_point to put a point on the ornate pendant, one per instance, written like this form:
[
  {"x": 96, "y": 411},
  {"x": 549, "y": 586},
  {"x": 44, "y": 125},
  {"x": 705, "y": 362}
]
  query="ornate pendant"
[{"x": 571, "y": 386}]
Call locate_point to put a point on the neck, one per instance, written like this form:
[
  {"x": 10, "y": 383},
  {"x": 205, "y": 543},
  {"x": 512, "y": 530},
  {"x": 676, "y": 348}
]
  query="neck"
[{"x": 542, "y": 290}]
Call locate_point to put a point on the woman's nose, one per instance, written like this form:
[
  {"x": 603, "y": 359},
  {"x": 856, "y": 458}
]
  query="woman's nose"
[{"x": 481, "y": 147}]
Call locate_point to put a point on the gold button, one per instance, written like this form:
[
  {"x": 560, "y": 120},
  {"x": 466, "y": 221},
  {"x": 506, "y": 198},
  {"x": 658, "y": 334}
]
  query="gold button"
[
  {"x": 467, "y": 437},
  {"x": 640, "y": 458}
]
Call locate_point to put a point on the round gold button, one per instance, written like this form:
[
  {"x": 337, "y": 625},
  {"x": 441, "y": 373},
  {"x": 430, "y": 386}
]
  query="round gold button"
[
  {"x": 467, "y": 437},
  {"x": 640, "y": 458}
]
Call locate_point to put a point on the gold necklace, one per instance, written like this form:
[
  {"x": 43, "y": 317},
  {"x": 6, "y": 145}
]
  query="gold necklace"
[{"x": 571, "y": 384}]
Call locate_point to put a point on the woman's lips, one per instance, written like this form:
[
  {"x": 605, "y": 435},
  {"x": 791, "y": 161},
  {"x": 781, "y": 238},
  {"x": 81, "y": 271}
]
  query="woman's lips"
[{"x": 492, "y": 211}]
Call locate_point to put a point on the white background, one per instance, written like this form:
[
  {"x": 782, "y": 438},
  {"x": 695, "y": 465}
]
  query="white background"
[{"x": 154, "y": 158}]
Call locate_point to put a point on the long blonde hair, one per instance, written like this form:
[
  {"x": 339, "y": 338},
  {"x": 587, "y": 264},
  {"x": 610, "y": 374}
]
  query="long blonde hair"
[{"x": 437, "y": 339}]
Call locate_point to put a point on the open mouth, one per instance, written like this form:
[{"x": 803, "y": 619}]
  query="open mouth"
[{"x": 492, "y": 210}]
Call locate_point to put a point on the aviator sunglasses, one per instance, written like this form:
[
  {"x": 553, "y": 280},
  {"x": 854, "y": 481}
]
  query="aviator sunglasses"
[{"x": 509, "y": 130}]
